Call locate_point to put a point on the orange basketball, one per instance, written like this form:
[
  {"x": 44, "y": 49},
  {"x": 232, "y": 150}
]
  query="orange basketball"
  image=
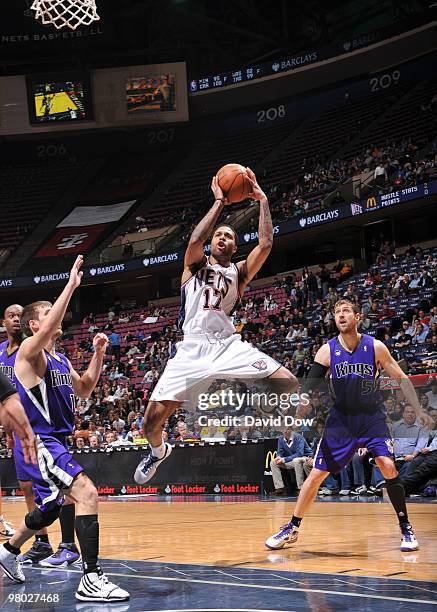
[{"x": 234, "y": 182}]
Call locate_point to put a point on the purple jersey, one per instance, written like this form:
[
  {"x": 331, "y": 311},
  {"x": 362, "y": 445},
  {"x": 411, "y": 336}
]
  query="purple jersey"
[
  {"x": 7, "y": 362},
  {"x": 50, "y": 404},
  {"x": 355, "y": 377}
]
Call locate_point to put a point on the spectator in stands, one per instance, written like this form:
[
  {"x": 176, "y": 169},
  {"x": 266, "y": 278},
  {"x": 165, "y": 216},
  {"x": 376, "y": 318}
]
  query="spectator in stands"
[
  {"x": 114, "y": 340},
  {"x": 128, "y": 249},
  {"x": 364, "y": 324},
  {"x": 312, "y": 285},
  {"x": 386, "y": 311},
  {"x": 304, "y": 368},
  {"x": 420, "y": 333},
  {"x": 324, "y": 278},
  {"x": 151, "y": 376},
  {"x": 93, "y": 441},
  {"x": 422, "y": 469},
  {"x": 292, "y": 453},
  {"x": 118, "y": 424},
  {"x": 212, "y": 432},
  {"x": 409, "y": 438},
  {"x": 299, "y": 354},
  {"x": 432, "y": 395},
  {"x": 182, "y": 432},
  {"x": 414, "y": 282},
  {"x": 410, "y": 252}
]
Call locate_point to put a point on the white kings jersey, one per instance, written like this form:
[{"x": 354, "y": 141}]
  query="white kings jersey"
[{"x": 208, "y": 299}]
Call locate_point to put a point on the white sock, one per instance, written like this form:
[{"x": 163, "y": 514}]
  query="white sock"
[{"x": 158, "y": 451}]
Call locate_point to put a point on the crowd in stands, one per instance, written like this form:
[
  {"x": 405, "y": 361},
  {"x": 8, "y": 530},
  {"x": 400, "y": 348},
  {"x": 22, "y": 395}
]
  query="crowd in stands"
[{"x": 393, "y": 166}]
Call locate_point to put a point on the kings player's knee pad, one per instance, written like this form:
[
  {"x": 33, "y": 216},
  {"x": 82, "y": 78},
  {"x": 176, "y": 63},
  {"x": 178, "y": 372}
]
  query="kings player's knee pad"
[{"x": 37, "y": 519}]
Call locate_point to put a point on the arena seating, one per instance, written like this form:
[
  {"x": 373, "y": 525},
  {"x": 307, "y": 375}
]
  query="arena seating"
[{"x": 29, "y": 191}]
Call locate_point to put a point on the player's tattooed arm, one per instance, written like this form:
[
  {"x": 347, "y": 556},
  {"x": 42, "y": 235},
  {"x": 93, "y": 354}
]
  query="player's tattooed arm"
[
  {"x": 194, "y": 253},
  {"x": 256, "y": 258},
  {"x": 84, "y": 385},
  {"x": 393, "y": 370}
]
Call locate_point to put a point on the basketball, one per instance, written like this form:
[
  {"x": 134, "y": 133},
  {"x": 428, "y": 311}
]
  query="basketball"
[{"x": 234, "y": 182}]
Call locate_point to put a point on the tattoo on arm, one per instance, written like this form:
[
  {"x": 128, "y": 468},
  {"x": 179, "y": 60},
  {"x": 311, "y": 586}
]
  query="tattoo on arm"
[
  {"x": 203, "y": 229},
  {"x": 265, "y": 228}
]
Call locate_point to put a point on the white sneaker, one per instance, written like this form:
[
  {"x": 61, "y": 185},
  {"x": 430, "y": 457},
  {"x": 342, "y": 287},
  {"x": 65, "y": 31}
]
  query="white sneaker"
[
  {"x": 362, "y": 490},
  {"x": 96, "y": 587},
  {"x": 6, "y": 529},
  {"x": 288, "y": 533},
  {"x": 324, "y": 491},
  {"x": 345, "y": 492},
  {"x": 408, "y": 541},
  {"x": 147, "y": 467},
  {"x": 10, "y": 565}
]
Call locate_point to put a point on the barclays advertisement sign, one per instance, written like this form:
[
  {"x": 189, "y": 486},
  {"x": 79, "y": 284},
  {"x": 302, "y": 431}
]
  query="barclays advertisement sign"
[{"x": 297, "y": 224}]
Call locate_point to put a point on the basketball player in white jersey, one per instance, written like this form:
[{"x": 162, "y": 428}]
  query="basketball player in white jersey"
[{"x": 211, "y": 288}]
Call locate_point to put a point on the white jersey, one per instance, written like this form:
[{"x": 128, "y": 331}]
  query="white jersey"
[{"x": 208, "y": 299}]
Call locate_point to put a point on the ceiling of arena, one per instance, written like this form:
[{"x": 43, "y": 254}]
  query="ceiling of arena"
[{"x": 209, "y": 35}]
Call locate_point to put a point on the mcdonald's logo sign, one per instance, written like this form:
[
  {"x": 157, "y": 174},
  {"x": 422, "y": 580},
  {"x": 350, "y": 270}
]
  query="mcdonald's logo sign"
[
  {"x": 269, "y": 457},
  {"x": 371, "y": 203}
]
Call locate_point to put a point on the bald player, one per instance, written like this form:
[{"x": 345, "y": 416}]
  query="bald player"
[{"x": 8, "y": 350}]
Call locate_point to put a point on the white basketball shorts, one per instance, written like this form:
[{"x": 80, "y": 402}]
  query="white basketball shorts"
[{"x": 198, "y": 361}]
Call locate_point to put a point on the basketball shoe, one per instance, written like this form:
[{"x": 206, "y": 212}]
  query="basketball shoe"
[
  {"x": 10, "y": 565},
  {"x": 6, "y": 529},
  {"x": 148, "y": 466},
  {"x": 67, "y": 554},
  {"x": 408, "y": 541},
  {"x": 35, "y": 554},
  {"x": 288, "y": 533},
  {"x": 95, "y": 586}
]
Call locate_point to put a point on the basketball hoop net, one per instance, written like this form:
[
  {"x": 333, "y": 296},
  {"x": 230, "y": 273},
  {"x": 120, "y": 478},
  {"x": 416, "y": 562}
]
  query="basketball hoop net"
[{"x": 65, "y": 13}]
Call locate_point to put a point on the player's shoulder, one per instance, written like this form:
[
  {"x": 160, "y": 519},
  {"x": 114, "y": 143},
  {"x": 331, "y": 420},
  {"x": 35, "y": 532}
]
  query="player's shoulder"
[
  {"x": 323, "y": 355},
  {"x": 3, "y": 345},
  {"x": 378, "y": 345}
]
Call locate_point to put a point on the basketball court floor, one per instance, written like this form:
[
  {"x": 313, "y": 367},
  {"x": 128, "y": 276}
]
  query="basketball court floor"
[{"x": 207, "y": 553}]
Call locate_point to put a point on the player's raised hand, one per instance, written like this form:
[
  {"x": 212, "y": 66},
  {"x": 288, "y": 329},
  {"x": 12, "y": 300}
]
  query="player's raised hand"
[
  {"x": 100, "y": 342},
  {"x": 76, "y": 273},
  {"x": 217, "y": 190},
  {"x": 257, "y": 192}
]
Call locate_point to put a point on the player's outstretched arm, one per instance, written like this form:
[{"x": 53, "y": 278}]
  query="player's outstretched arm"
[
  {"x": 13, "y": 418},
  {"x": 33, "y": 345},
  {"x": 393, "y": 370},
  {"x": 194, "y": 253},
  {"x": 256, "y": 258},
  {"x": 84, "y": 385}
]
